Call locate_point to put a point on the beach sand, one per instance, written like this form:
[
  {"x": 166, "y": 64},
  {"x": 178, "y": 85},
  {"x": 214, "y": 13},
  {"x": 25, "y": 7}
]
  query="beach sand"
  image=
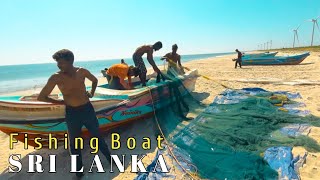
[{"x": 222, "y": 70}]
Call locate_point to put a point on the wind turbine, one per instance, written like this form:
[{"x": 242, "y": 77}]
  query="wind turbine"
[
  {"x": 295, "y": 34},
  {"x": 315, "y": 22}
]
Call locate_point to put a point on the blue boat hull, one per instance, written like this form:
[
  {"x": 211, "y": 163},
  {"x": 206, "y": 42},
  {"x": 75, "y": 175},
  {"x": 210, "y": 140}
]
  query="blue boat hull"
[{"x": 277, "y": 60}]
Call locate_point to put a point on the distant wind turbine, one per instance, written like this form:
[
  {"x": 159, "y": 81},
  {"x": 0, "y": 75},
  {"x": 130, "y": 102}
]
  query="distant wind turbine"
[
  {"x": 315, "y": 22},
  {"x": 295, "y": 35}
]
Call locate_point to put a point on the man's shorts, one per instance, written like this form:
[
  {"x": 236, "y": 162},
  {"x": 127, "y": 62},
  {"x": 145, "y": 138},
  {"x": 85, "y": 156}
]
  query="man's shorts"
[{"x": 138, "y": 62}]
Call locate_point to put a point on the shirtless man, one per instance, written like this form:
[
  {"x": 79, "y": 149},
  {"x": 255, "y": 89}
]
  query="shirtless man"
[
  {"x": 176, "y": 58},
  {"x": 79, "y": 110},
  {"x": 138, "y": 61}
]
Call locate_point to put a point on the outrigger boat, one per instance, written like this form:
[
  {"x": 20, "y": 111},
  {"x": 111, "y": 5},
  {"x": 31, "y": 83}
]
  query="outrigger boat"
[
  {"x": 23, "y": 114},
  {"x": 276, "y": 60}
]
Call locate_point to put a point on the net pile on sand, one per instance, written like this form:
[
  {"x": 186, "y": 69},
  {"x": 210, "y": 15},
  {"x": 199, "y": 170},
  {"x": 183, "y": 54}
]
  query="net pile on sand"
[{"x": 240, "y": 135}]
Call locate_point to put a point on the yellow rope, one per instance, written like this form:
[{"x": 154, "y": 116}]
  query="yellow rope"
[{"x": 166, "y": 141}]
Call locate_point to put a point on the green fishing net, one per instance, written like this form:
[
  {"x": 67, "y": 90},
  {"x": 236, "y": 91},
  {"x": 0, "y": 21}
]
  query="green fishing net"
[{"x": 227, "y": 140}]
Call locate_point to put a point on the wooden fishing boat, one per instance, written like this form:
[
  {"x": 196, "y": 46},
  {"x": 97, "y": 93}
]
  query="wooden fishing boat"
[
  {"x": 277, "y": 60},
  {"x": 113, "y": 108}
]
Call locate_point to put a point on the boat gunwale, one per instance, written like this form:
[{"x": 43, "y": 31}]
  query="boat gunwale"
[
  {"x": 306, "y": 54},
  {"x": 133, "y": 92},
  {"x": 61, "y": 119}
]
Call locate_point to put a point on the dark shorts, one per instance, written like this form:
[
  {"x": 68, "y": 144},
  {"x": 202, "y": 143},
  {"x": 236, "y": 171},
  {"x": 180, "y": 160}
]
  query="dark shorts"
[
  {"x": 85, "y": 109},
  {"x": 138, "y": 62},
  {"x": 77, "y": 117}
]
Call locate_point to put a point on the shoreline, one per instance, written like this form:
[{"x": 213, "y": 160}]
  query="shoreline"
[
  {"x": 101, "y": 80},
  {"x": 19, "y": 85}
]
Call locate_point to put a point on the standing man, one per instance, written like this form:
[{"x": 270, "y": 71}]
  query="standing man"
[
  {"x": 138, "y": 61},
  {"x": 239, "y": 60},
  {"x": 79, "y": 111},
  {"x": 176, "y": 60}
]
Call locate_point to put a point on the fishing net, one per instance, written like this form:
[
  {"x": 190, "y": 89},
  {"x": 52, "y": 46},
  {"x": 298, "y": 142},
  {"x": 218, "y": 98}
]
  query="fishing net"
[{"x": 228, "y": 139}]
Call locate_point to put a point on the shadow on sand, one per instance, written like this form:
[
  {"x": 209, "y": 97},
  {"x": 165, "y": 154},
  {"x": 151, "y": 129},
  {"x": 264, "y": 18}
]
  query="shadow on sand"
[{"x": 302, "y": 64}]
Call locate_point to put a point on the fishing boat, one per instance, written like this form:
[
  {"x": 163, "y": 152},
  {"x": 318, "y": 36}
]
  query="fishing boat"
[
  {"x": 24, "y": 114},
  {"x": 258, "y": 55},
  {"x": 276, "y": 60}
]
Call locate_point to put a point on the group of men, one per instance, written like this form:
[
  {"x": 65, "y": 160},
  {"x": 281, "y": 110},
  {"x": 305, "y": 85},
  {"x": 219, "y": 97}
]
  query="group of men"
[
  {"x": 79, "y": 111},
  {"x": 117, "y": 73}
]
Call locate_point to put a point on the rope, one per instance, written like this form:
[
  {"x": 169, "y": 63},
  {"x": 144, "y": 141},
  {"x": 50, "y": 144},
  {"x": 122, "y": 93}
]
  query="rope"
[{"x": 166, "y": 141}]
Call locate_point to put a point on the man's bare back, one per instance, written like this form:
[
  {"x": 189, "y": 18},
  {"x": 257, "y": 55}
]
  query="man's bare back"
[
  {"x": 140, "y": 51},
  {"x": 139, "y": 63}
]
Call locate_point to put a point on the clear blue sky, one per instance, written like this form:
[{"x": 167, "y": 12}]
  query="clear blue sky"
[{"x": 31, "y": 31}]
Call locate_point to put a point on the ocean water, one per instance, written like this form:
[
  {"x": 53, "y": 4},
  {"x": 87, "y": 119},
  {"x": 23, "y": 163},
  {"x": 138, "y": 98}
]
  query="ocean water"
[{"x": 32, "y": 76}]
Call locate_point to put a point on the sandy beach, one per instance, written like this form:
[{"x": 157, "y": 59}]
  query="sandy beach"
[
  {"x": 222, "y": 70},
  {"x": 303, "y": 78}
]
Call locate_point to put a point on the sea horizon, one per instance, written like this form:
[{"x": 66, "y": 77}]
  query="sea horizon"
[
  {"x": 20, "y": 77},
  {"x": 92, "y": 60}
]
